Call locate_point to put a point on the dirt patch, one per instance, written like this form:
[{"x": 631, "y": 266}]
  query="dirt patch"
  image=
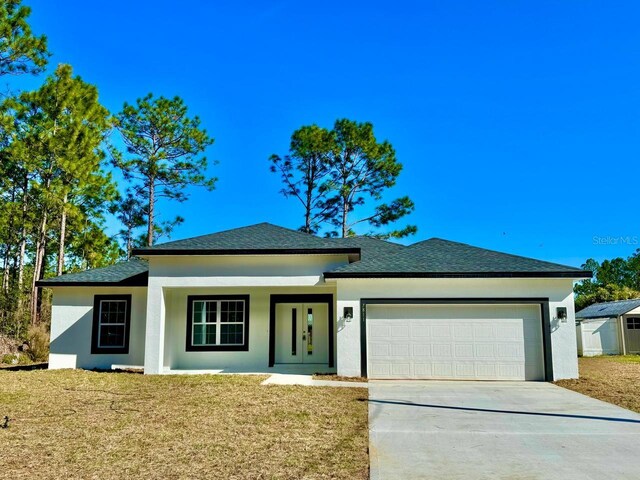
[
  {"x": 120, "y": 425},
  {"x": 612, "y": 379}
]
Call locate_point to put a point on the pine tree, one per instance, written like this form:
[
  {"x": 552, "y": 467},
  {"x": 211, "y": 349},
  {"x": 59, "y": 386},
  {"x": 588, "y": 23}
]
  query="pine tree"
[{"x": 162, "y": 158}]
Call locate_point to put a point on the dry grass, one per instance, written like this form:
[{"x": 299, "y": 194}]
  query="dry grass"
[
  {"x": 612, "y": 379},
  {"x": 338, "y": 378},
  {"x": 78, "y": 424}
]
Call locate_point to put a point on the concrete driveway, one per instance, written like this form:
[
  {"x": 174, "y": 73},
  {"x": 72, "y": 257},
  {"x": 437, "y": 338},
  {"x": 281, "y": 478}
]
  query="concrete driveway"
[{"x": 498, "y": 430}]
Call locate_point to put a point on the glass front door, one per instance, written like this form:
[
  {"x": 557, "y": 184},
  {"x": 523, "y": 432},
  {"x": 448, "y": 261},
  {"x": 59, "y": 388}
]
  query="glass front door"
[{"x": 302, "y": 333}]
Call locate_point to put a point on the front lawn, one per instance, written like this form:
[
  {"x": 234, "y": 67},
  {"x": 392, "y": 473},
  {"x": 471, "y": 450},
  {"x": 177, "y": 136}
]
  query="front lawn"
[
  {"x": 614, "y": 379},
  {"x": 79, "y": 424}
]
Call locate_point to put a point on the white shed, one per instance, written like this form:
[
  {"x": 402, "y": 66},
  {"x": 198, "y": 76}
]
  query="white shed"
[{"x": 609, "y": 328}]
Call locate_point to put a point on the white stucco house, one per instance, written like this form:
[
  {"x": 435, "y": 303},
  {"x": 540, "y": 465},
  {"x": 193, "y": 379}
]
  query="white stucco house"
[
  {"x": 609, "y": 328},
  {"x": 264, "y": 298}
]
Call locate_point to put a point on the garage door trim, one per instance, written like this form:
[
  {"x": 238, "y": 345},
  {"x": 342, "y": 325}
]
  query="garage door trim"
[{"x": 542, "y": 302}]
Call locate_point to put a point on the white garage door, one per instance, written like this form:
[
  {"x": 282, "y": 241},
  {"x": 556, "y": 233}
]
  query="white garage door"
[{"x": 463, "y": 342}]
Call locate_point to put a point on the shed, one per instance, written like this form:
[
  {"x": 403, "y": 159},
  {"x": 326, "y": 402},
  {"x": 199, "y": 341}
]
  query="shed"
[{"x": 609, "y": 328}]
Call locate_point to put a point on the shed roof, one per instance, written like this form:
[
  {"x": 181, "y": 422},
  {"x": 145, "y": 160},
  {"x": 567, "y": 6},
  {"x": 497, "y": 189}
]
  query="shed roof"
[{"x": 608, "y": 309}]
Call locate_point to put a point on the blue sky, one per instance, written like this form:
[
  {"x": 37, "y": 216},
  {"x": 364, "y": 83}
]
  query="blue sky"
[{"x": 517, "y": 122}]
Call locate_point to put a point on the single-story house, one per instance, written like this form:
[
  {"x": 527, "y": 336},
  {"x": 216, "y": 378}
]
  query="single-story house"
[
  {"x": 264, "y": 298},
  {"x": 609, "y": 328}
]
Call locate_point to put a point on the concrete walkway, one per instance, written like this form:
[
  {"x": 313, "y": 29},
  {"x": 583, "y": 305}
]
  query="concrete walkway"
[
  {"x": 498, "y": 430},
  {"x": 288, "y": 379}
]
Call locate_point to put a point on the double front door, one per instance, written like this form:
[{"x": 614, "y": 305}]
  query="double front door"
[{"x": 302, "y": 333}]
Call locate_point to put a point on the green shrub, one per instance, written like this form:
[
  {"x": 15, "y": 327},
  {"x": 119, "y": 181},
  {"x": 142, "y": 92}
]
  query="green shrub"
[
  {"x": 38, "y": 340},
  {"x": 9, "y": 358}
]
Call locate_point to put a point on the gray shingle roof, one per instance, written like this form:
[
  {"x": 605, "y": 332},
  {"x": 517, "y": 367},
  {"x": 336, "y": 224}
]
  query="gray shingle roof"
[
  {"x": 608, "y": 309},
  {"x": 259, "y": 238},
  {"x": 437, "y": 258},
  {"x": 370, "y": 246},
  {"x": 378, "y": 258},
  {"x": 130, "y": 273}
]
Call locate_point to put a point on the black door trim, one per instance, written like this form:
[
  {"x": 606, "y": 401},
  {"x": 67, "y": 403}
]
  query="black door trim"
[
  {"x": 544, "y": 316},
  {"x": 298, "y": 298}
]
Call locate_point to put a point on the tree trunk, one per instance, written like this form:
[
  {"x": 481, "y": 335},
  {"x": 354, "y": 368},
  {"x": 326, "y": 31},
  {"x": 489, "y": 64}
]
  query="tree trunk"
[
  {"x": 129, "y": 242},
  {"x": 307, "y": 215},
  {"x": 23, "y": 234},
  {"x": 6, "y": 268},
  {"x": 150, "y": 225},
  {"x": 38, "y": 263},
  {"x": 345, "y": 229},
  {"x": 61, "y": 243}
]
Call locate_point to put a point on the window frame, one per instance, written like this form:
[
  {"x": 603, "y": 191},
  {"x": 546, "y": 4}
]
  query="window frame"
[
  {"x": 95, "y": 334},
  {"x": 243, "y": 347},
  {"x": 633, "y": 323}
]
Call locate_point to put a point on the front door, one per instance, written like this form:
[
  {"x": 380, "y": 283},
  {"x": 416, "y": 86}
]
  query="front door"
[{"x": 302, "y": 333}]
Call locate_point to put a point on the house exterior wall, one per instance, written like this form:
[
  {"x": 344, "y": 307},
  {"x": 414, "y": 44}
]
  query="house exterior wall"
[
  {"x": 158, "y": 320},
  {"x": 72, "y": 324},
  {"x": 242, "y": 270},
  {"x": 558, "y": 291}
]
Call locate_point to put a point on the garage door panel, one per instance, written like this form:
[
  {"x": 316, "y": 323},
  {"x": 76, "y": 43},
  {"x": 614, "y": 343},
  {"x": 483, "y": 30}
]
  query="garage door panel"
[
  {"x": 510, "y": 350},
  {"x": 485, "y": 350},
  {"x": 379, "y": 349},
  {"x": 380, "y": 370},
  {"x": 442, "y": 370},
  {"x": 465, "y": 369},
  {"x": 420, "y": 329},
  {"x": 464, "y": 351},
  {"x": 440, "y": 331},
  {"x": 489, "y": 370},
  {"x": 483, "y": 330},
  {"x": 442, "y": 350},
  {"x": 489, "y": 342},
  {"x": 379, "y": 331},
  {"x": 464, "y": 331},
  {"x": 399, "y": 350},
  {"x": 423, "y": 369},
  {"x": 421, "y": 350}
]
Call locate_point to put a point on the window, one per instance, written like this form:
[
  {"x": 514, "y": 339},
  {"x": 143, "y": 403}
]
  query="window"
[
  {"x": 633, "y": 323},
  {"x": 111, "y": 323},
  {"x": 217, "y": 323}
]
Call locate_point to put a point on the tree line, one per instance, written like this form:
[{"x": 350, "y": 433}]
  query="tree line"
[
  {"x": 615, "y": 279},
  {"x": 61, "y": 151}
]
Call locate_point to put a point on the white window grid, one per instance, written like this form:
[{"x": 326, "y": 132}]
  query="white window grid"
[
  {"x": 109, "y": 324},
  {"x": 218, "y": 322}
]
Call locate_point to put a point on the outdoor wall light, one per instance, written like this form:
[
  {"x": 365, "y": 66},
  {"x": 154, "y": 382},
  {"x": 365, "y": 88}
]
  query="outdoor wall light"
[
  {"x": 347, "y": 314},
  {"x": 561, "y": 314}
]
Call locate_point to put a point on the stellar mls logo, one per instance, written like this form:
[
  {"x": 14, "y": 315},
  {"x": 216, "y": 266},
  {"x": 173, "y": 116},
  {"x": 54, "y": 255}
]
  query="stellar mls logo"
[{"x": 621, "y": 240}]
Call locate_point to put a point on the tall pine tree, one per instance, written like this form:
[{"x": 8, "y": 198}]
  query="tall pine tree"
[{"x": 163, "y": 156}]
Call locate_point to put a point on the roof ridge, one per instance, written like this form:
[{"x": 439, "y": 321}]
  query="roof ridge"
[
  {"x": 228, "y": 230},
  {"x": 369, "y": 237}
]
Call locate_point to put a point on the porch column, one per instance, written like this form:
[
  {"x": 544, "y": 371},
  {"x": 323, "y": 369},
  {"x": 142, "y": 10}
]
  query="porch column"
[{"x": 154, "y": 336}]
